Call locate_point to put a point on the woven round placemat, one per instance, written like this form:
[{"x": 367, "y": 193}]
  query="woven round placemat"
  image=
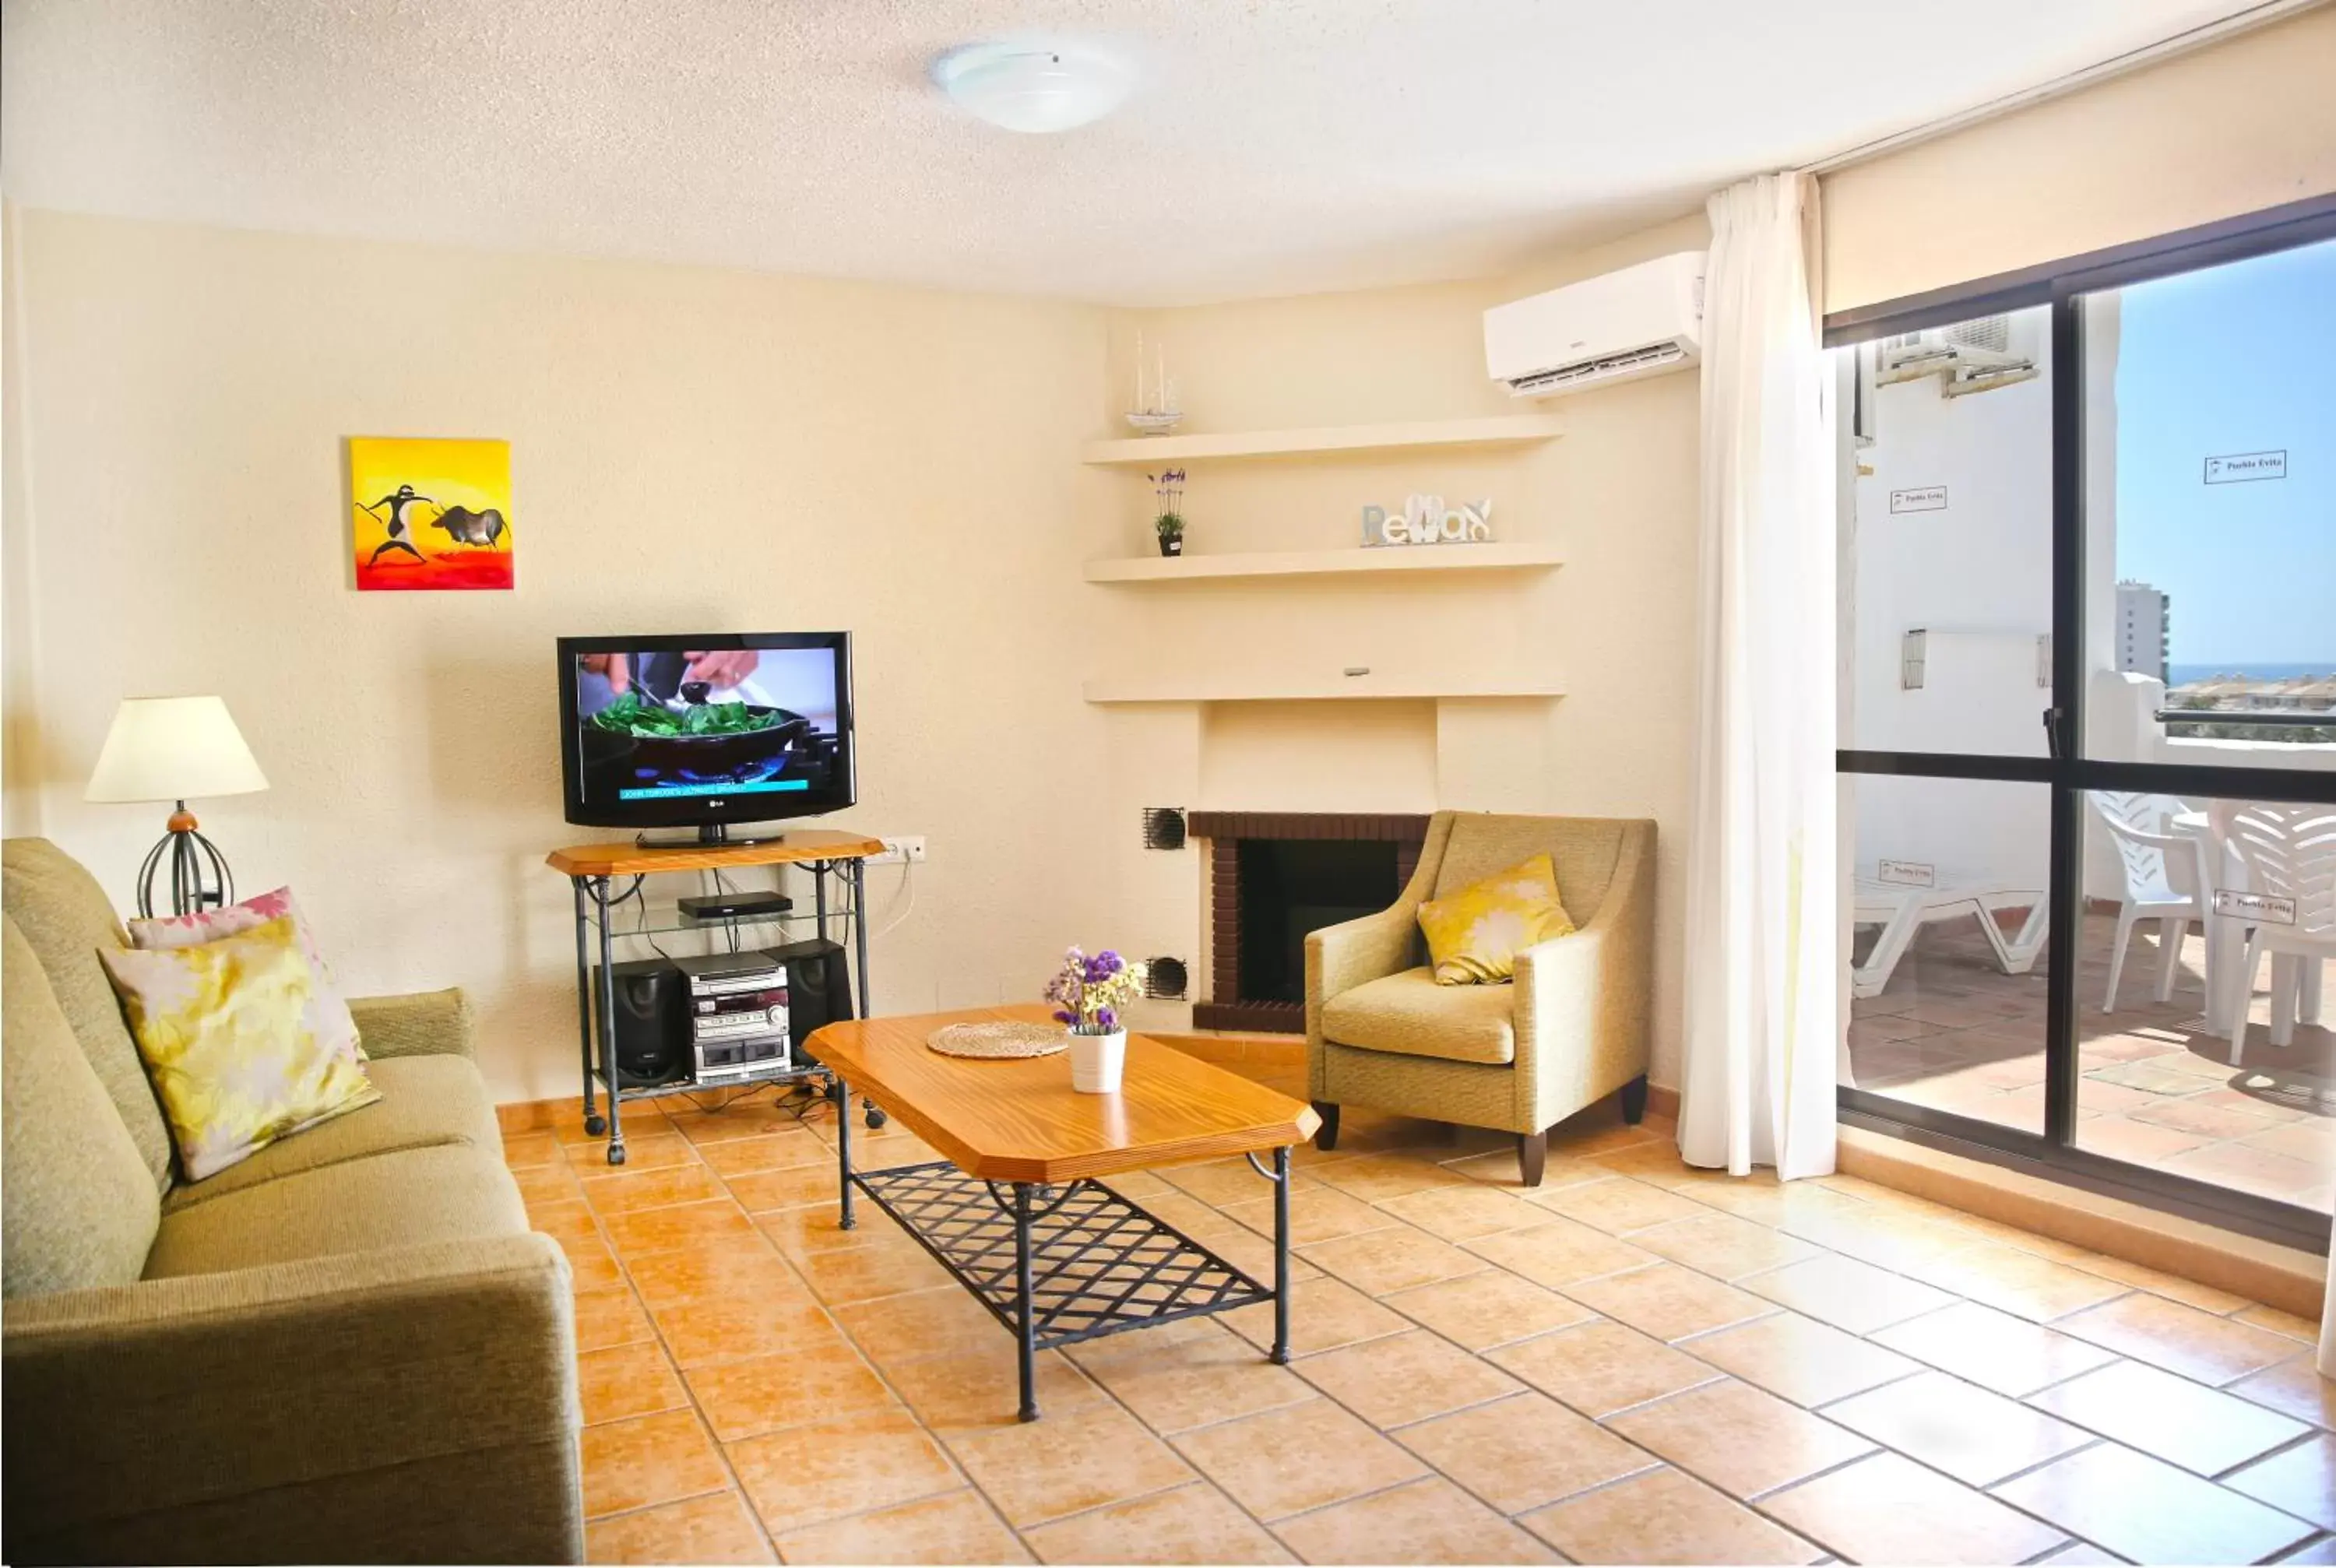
[{"x": 999, "y": 1041}]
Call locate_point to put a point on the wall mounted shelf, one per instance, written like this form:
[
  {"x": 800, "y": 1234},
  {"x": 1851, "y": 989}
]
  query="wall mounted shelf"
[
  {"x": 1354, "y": 560},
  {"x": 1399, "y": 687},
  {"x": 1497, "y": 430}
]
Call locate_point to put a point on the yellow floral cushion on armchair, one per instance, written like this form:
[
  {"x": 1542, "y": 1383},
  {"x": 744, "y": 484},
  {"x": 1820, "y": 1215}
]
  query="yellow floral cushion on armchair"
[
  {"x": 1474, "y": 936},
  {"x": 225, "y": 1031}
]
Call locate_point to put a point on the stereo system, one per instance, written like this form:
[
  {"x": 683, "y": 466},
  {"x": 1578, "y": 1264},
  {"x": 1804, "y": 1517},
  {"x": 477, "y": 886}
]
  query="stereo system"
[{"x": 726, "y": 1017}]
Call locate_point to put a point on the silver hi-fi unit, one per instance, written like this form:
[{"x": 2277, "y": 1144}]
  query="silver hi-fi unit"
[{"x": 737, "y": 1010}]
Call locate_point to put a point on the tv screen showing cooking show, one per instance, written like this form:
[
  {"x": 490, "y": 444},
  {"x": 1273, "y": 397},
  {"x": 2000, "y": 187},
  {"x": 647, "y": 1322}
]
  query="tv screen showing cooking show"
[{"x": 702, "y": 729}]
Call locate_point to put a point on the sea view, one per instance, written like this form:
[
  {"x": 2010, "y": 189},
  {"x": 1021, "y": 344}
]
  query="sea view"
[{"x": 2253, "y": 669}]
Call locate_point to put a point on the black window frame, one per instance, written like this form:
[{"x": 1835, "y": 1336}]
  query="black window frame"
[{"x": 2066, "y": 770}]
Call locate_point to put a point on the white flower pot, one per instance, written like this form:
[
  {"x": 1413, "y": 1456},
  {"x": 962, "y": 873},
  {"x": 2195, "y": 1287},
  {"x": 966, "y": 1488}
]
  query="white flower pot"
[{"x": 1096, "y": 1061}]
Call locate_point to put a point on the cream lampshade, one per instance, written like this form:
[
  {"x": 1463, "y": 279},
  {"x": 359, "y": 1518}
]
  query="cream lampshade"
[{"x": 177, "y": 748}]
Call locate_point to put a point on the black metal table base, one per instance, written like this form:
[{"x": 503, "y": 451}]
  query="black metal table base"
[{"x": 1057, "y": 1265}]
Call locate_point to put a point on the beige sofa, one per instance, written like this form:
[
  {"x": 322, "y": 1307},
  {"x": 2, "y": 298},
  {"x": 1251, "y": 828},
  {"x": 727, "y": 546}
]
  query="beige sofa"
[
  {"x": 1572, "y": 1029},
  {"x": 348, "y": 1348}
]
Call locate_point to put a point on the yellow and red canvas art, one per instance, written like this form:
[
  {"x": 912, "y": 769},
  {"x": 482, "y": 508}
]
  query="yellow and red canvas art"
[{"x": 430, "y": 513}]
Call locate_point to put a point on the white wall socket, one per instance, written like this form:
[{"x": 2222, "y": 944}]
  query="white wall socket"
[{"x": 900, "y": 847}]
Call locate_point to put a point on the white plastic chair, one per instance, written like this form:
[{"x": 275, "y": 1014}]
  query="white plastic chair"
[
  {"x": 2136, "y": 824},
  {"x": 2289, "y": 851}
]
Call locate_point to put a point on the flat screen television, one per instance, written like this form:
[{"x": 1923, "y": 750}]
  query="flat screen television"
[{"x": 706, "y": 730}]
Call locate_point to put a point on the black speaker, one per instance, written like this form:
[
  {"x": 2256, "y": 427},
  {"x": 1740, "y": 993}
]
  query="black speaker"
[
  {"x": 652, "y": 1018},
  {"x": 819, "y": 990}
]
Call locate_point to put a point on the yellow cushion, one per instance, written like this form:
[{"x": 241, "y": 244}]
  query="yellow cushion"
[
  {"x": 1409, "y": 1015},
  {"x": 224, "y": 1029},
  {"x": 1475, "y": 935}
]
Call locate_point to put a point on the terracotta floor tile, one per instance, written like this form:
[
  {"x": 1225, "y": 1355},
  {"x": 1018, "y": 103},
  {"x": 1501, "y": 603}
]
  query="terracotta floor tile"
[
  {"x": 1800, "y": 1358},
  {"x": 564, "y": 1219},
  {"x": 1884, "y": 1238},
  {"x": 1523, "y": 1452},
  {"x": 1665, "y": 1518},
  {"x": 1739, "y": 1438},
  {"x": 646, "y": 1148},
  {"x": 1404, "y": 1378},
  {"x": 1478, "y": 1312},
  {"x": 2014, "y": 1281},
  {"x": 719, "y": 1223},
  {"x": 2300, "y": 1481},
  {"x": 1765, "y": 1200},
  {"x": 646, "y": 1460},
  {"x": 983, "y": 1388},
  {"x": 712, "y": 1529},
  {"x": 1194, "y": 1523},
  {"x": 1303, "y": 1456},
  {"x": 523, "y": 1149},
  {"x": 1458, "y": 1213},
  {"x": 625, "y": 1381},
  {"x": 1668, "y": 1301},
  {"x": 1887, "y": 1509},
  {"x": 1560, "y": 1253},
  {"x": 1617, "y": 1205},
  {"x": 2292, "y": 1388},
  {"x": 742, "y": 1398},
  {"x": 793, "y": 1188},
  {"x": 1498, "y": 1167},
  {"x": 620, "y": 1192},
  {"x": 886, "y": 1266},
  {"x": 798, "y": 1232},
  {"x": 2286, "y": 1324},
  {"x": 608, "y": 1318},
  {"x": 739, "y": 1328},
  {"x": 733, "y": 1273},
  {"x": 804, "y": 1474},
  {"x": 1188, "y": 1374},
  {"x": 1427, "y": 1521},
  {"x": 1600, "y": 1367},
  {"x": 891, "y": 1151},
  {"x": 590, "y": 1264},
  {"x": 955, "y": 1527},
  {"x": 1397, "y": 1259},
  {"x": 1992, "y": 1348},
  {"x": 1723, "y": 1245},
  {"x": 1323, "y": 1314},
  {"x": 1376, "y": 1177},
  {"x": 1222, "y": 1183},
  {"x": 2147, "y": 1511},
  {"x": 547, "y": 1183},
  {"x": 944, "y": 1321},
  {"x": 1977, "y": 1437},
  {"x": 740, "y": 1119},
  {"x": 1846, "y": 1293},
  {"x": 1078, "y": 1459},
  {"x": 1317, "y": 1214},
  {"x": 2180, "y": 1339},
  {"x": 777, "y": 1150},
  {"x": 2169, "y": 1417},
  {"x": 2172, "y": 1287}
]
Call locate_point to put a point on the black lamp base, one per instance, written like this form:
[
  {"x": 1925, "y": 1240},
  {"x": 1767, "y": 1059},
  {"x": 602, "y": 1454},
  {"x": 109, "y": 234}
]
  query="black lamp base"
[{"x": 200, "y": 879}]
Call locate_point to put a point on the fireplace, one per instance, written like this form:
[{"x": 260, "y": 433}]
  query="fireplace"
[{"x": 1274, "y": 876}]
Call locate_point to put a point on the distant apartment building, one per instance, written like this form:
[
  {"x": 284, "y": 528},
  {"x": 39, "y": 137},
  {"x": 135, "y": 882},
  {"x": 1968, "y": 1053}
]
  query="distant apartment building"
[{"x": 2144, "y": 629}]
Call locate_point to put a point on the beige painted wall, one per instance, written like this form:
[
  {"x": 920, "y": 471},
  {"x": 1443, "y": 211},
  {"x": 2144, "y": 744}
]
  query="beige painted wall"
[
  {"x": 691, "y": 448},
  {"x": 2231, "y": 129},
  {"x": 1615, "y": 623}
]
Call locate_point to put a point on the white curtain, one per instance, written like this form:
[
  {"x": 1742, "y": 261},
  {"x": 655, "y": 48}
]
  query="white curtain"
[{"x": 1762, "y": 956}]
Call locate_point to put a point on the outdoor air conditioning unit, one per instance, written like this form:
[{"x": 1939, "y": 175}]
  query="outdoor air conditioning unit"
[
  {"x": 1967, "y": 357},
  {"x": 1640, "y": 321}
]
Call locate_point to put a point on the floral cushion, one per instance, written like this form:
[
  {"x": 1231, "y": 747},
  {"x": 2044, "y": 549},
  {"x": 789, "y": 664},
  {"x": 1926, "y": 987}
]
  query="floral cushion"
[
  {"x": 1474, "y": 936},
  {"x": 328, "y": 1012},
  {"x": 223, "y": 1030}
]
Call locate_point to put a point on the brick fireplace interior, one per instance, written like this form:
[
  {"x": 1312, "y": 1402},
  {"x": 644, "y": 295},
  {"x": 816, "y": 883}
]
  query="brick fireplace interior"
[{"x": 1274, "y": 876}]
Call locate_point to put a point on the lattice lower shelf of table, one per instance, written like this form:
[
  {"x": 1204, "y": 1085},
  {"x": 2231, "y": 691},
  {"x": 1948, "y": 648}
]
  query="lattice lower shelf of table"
[{"x": 1098, "y": 1264}]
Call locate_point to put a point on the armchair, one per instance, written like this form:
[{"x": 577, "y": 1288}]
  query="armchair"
[{"x": 1570, "y": 1030}]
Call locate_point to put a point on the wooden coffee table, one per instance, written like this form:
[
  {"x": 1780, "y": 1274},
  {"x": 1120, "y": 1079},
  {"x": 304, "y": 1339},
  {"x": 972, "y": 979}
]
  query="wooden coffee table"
[{"x": 1016, "y": 1213}]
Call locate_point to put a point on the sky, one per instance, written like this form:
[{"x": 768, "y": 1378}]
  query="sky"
[{"x": 2240, "y": 358}]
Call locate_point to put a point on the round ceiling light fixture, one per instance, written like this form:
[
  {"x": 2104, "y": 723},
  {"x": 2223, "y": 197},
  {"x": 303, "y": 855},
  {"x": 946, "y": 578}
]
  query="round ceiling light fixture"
[{"x": 1034, "y": 87}]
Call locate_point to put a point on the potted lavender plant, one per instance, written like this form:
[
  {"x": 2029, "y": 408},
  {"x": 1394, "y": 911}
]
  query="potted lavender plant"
[
  {"x": 1090, "y": 996},
  {"x": 1168, "y": 485}
]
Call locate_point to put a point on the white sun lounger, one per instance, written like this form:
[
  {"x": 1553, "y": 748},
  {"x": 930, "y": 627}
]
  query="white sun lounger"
[{"x": 1902, "y": 910}]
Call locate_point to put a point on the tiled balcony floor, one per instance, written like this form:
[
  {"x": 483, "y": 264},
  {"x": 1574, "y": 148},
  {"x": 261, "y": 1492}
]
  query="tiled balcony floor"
[
  {"x": 1954, "y": 1032},
  {"x": 1635, "y": 1362}
]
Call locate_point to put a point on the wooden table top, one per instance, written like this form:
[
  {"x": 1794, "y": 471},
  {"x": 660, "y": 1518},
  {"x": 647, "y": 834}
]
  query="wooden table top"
[
  {"x": 626, "y": 858},
  {"x": 1019, "y": 1120}
]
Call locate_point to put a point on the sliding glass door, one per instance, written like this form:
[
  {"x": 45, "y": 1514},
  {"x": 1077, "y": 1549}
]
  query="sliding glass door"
[{"x": 2089, "y": 720}]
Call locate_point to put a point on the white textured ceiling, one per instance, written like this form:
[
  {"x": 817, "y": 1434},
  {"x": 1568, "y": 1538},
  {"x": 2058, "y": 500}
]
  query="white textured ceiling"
[{"x": 1273, "y": 146}]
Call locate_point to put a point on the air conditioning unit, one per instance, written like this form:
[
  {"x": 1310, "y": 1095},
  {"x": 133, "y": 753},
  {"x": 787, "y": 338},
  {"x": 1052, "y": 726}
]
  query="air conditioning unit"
[{"x": 1640, "y": 321}]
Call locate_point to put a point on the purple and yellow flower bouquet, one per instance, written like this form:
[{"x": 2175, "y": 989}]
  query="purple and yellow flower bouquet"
[{"x": 1091, "y": 993}]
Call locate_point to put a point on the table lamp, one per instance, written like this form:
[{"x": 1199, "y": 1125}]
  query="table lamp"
[{"x": 174, "y": 748}]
